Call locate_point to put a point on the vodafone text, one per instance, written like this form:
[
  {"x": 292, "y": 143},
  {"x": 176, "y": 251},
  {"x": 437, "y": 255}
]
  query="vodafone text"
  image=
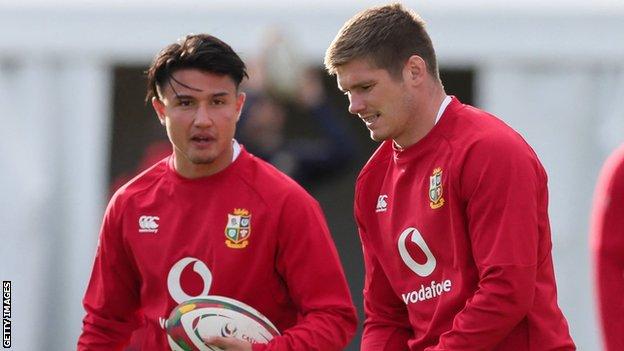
[{"x": 427, "y": 292}]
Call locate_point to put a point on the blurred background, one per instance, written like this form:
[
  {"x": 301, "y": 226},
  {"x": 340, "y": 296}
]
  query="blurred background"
[{"x": 75, "y": 126}]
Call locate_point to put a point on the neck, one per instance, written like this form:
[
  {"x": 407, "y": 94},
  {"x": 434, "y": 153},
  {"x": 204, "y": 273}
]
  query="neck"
[
  {"x": 426, "y": 105},
  {"x": 191, "y": 169}
]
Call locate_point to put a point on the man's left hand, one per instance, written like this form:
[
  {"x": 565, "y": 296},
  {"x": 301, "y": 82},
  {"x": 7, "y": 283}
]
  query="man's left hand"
[{"x": 229, "y": 344}]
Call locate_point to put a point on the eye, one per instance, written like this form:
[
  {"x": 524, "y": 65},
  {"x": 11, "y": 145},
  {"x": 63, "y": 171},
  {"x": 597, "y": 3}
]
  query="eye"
[
  {"x": 218, "y": 102},
  {"x": 185, "y": 102}
]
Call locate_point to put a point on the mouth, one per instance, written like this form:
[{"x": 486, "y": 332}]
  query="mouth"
[
  {"x": 370, "y": 119},
  {"x": 202, "y": 140}
]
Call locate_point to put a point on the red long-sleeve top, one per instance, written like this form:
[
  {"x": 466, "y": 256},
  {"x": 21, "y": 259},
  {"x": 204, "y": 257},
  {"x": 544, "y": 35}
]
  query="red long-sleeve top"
[
  {"x": 607, "y": 239},
  {"x": 247, "y": 232},
  {"x": 457, "y": 243}
]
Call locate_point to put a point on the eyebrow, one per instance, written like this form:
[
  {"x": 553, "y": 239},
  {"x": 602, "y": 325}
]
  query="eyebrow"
[
  {"x": 358, "y": 85},
  {"x": 218, "y": 94}
]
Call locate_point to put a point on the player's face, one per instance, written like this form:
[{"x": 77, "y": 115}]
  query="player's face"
[
  {"x": 200, "y": 111},
  {"x": 381, "y": 101}
]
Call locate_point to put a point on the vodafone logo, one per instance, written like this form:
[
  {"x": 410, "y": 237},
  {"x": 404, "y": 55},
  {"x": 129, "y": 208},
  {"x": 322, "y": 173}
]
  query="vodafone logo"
[
  {"x": 427, "y": 291},
  {"x": 173, "y": 279},
  {"x": 414, "y": 236}
]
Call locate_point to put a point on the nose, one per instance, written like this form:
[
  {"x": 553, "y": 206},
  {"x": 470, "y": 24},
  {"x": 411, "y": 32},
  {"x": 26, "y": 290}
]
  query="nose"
[
  {"x": 203, "y": 117},
  {"x": 356, "y": 104}
]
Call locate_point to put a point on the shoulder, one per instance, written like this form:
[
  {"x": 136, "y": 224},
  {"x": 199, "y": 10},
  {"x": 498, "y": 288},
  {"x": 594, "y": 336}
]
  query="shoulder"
[
  {"x": 612, "y": 173},
  {"x": 377, "y": 162},
  {"x": 615, "y": 161},
  {"x": 483, "y": 135},
  {"x": 371, "y": 177},
  {"x": 141, "y": 183},
  {"x": 486, "y": 149},
  {"x": 477, "y": 124}
]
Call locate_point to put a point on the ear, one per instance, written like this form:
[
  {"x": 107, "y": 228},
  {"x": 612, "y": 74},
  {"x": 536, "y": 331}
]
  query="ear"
[
  {"x": 415, "y": 70},
  {"x": 159, "y": 107},
  {"x": 240, "y": 102}
]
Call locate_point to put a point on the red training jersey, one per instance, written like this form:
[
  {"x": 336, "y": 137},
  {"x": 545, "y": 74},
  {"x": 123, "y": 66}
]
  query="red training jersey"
[
  {"x": 457, "y": 242},
  {"x": 608, "y": 250},
  {"x": 248, "y": 233}
]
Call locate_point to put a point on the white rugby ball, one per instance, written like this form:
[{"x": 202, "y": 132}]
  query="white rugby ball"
[{"x": 192, "y": 321}]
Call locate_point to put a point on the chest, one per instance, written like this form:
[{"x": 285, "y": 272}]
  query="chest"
[
  {"x": 199, "y": 244},
  {"x": 418, "y": 226},
  {"x": 422, "y": 195}
]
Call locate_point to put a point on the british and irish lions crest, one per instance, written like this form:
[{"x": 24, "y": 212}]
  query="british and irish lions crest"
[
  {"x": 435, "y": 189},
  {"x": 238, "y": 229}
]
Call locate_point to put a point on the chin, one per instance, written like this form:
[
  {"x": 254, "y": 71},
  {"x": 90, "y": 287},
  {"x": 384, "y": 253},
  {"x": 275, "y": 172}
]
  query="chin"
[
  {"x": 202, "y": 160},
  {"x": 377, "y": 137}
]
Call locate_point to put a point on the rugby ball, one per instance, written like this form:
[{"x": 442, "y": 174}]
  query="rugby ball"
[{"x": 194, "y": 320}]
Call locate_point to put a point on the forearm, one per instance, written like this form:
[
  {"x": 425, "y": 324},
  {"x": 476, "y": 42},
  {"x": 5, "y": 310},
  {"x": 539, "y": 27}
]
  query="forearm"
[
  {"x": 387, "y": 326},
  {"x": 104, "y": 334},
  {"x": 111, "y": 300},
  {"x": 503, "y": 299},
  {"x": 385, "y": 336},
  {"x": 610, "y": 284},
  {"x": 328, "y": 329}
]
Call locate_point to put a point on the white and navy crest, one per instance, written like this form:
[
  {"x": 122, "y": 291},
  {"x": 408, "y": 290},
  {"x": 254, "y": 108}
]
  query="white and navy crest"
[
  {"x": 238, "y": 229},
  {"x": 436, "y": 191}
]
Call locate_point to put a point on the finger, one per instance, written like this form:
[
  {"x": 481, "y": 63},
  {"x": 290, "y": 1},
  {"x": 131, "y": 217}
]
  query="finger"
[
  {"x": 218, "y": 341},
  {"x": 231, "y": 344}
]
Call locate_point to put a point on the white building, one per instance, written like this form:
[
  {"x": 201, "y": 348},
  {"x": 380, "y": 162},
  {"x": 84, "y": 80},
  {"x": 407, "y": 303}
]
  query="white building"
[{"x": 553, "y": 71}]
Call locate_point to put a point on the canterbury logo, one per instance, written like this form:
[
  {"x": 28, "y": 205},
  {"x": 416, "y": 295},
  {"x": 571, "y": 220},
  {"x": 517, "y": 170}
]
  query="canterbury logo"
[
  {"x": 148, "y": 224},
  {"x": 382, "y": 204}
]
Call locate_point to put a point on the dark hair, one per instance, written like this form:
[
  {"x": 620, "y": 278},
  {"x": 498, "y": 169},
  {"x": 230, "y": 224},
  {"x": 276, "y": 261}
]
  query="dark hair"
[
  {"x": 387, "y": 36},
  {"x": 199, "y": 51}
]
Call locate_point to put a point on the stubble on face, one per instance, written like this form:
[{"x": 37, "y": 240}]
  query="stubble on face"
[
  {"x": 201, "y": 135},
  {"x": 396, "y": 112}
]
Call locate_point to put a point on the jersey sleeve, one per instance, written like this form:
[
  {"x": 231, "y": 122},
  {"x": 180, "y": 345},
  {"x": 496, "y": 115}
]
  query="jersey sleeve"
[
  {"x": 386, "y": 325},
  {"x": 111, "y": 301},
  {"x": 503, "y": 188},
  {"x": 308, "y": 262},
  {"x": 608, "y": 250}
]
